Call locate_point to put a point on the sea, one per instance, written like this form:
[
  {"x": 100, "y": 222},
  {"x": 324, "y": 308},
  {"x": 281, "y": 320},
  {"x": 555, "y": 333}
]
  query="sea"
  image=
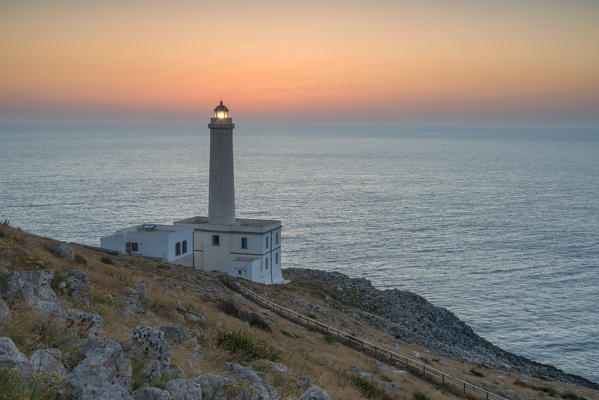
[{"x": 499, "y": 224}]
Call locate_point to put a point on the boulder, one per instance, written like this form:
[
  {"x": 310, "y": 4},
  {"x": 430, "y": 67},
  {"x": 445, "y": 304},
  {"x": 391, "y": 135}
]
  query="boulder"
[
  {"x": 4, "y": 312},
  {"x": 104, "y": 373},
  {"x": 63, "y": 250},
  {"x": 147, "y": 343},
  {"x": 78, "y": 286},
  {"x": 173, "y": 333},
  {"x": 10, "y": 356},
  {"x": 184, "y": 389},
  {"x": 173, "y": 371},
  {"x": 147, "y": 346},
  {"x": 249, "y": 376},
  {"x": 47, "y": 360},
  {"x": 151, "y": 393},
  {"x": 31, "y": 287},
  {"x": 85, "y": 323},
  {"x": 129, "y": 304},
  {"x": 271, "y": 366},
  {"x": 315, "y": 393},
  {"x": 303, "y": 381},
  {"x": 216, "y": 387}
]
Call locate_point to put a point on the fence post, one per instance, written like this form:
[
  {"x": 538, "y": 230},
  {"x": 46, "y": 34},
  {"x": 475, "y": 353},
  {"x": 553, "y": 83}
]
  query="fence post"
[
  {"x": 464, "y": 387},
  {"x": 442, "y": 379}
]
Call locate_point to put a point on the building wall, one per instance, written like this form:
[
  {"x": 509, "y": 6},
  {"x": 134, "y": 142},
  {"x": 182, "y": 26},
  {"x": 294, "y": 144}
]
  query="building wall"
[
  {"x": 263, "y": 246},
  {"x": 158, "y": 244}
]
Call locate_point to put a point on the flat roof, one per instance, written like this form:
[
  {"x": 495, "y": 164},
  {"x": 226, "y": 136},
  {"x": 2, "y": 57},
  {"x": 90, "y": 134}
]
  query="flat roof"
[
  {"x": 154, "y": 228},
  {"x": 240, "y": 225},
  {"x": 238, "y": 221}
]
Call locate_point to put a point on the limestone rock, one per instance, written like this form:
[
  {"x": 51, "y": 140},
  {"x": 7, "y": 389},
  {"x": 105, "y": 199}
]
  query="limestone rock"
[
  {"x": 104, "y": 373},
  {"x": 303, "y": 381},
  {"x": 247, "y": 374},
  {"x": 271, "y": 366},
  {"x": 10, "y": 356},
  {"x": 184, "y": 389},
  {"x": 147, "y": 345},
  {"x": 315, "y": 393},
  {"x": 63, "y": 250},
  {"x": 217, "y": 387},
  {"x": 86, "y": 323},
  {"x": 47, "y": 360},
  {"x": 173, "y": 333},
  {"x": 130, "y": 304},
  {"x": 4, "y": 312},
  {"x": 173, "y": 371},
  {"x": 151, "y": 393},
  {"x": 78, "y": 286},
  {"x": 31, "y": 287}
]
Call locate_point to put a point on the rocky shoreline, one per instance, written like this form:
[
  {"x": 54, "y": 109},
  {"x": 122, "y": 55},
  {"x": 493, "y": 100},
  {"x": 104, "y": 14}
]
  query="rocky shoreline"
[{"x": 411, "y": 318}]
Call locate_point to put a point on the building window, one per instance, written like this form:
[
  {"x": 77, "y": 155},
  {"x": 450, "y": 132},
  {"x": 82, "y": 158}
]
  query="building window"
[
  {"x": 244, "y": 243},
  {"x": 276, "y": 258},
  {"x": 184, "y": 250},
  {"x": 266, "y": 263},
  {"x": 277, "y": 238},
  {"x": 266, "y": 242},
  {"x": 132, "y": 247},
  {"x": 178, "y": 249},
  {"x": 215, "y": 240}
]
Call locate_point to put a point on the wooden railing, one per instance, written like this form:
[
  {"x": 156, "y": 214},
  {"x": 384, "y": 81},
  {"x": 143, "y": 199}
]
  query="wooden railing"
[{"x": 457, "y": 385}]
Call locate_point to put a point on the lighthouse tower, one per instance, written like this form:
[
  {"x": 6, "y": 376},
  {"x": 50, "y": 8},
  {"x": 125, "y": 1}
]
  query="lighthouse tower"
[
  {"x": 221, "y": 197},
  {"x": 242, "y": 247}
]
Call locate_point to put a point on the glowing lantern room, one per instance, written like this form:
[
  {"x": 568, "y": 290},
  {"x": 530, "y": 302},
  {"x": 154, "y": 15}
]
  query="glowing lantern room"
[{"x": 221, "y": 111}]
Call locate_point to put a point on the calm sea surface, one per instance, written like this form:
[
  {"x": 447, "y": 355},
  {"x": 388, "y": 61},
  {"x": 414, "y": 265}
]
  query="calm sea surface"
[{"x": 499, "y": 225}]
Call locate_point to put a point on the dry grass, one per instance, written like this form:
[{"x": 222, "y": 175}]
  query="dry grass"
[{"x": 305, "y": 352}]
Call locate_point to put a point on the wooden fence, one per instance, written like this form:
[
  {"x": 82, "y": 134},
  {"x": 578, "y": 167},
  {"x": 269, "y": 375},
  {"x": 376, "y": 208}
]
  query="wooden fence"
[{"x": 456, "y": 385}]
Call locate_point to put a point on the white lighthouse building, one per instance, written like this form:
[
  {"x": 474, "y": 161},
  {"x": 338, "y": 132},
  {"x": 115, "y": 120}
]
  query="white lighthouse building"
[{"x": 246, "y": 248}]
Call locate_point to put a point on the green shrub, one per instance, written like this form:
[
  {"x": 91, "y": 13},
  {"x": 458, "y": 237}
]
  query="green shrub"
[
  {"x": 571, "y": 396},
  {"x": 230, "y": 308},
  {"x": 418, "y": 395},
  {"x": 368, "y": 388},
  {"x": 56, "y": 279},
  {"x": 240, "y": 342},
  {"x": 106, "y": 260},
  {"x": 476, "y": 373},
  {"x": 41, "y": 386},
  {"x": 79, "y": 259}
]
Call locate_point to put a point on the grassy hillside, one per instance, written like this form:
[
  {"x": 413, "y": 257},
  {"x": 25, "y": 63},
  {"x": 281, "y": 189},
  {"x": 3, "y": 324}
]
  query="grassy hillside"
[{"x": 225, "y": 326}]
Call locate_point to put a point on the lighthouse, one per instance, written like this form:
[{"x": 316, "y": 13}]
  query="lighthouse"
[
  {"x": 242, "y": 247},
  {"x": 221, "y": 197}
]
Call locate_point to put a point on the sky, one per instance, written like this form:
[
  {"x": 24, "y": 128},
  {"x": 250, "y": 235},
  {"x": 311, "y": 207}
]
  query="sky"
[{"x": 301, "y": 62}]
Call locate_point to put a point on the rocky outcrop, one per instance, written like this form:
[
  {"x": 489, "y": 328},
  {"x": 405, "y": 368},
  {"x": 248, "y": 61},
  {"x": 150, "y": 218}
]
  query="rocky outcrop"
[
  {"x": 148, "y": 347},
  {"x": 271, "y": 367},
  {"x": 411, "y": 318},
  {"x": 130, "y": 304},
  {"x": 77, "y": 286},
  {"x": 63, "y": 250},
  {"x": 4, "y": 312},
  {"x": 48, "y": 361},
  {"x": 151, "y": 393},
  {"x": 104, "y": 373},
  {"x": 174, "y": 333},
  {"x": 315, "y": 393},
  {"x": 250, "y": 377},
  {"x": 184, "y": 389},
  {"x": 32, "y": 288},
  {"x": 10, "y": 356},
  {"x": 84, "y": 323}
]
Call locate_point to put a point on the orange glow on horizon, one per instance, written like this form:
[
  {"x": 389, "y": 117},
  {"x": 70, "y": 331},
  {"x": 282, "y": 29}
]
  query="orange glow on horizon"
[{"x": 306, "y": 59}]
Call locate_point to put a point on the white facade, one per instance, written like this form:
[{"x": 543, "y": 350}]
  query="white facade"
[
  {"x": 168, "y": 242},
  {"x": 250, "y": 248}
]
